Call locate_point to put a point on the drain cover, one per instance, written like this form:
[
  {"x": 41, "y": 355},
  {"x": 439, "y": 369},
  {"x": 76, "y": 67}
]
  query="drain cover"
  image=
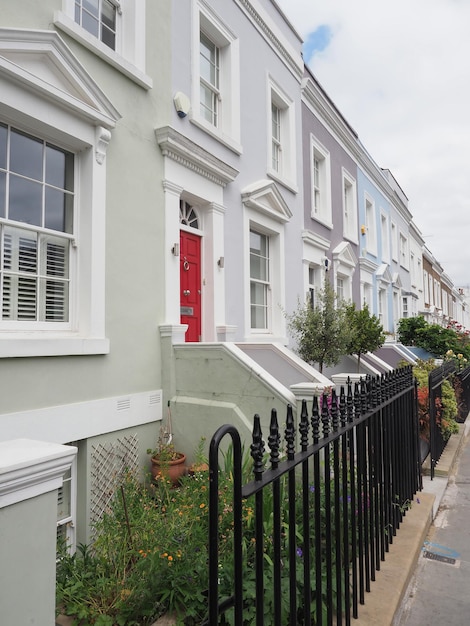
[{"x": 439, "y": 557}]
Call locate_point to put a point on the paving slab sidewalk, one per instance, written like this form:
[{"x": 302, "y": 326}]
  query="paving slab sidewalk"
[{"x": 389, "y": 592}]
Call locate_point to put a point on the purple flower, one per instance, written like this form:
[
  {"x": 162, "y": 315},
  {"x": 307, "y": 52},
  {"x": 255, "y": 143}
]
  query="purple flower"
[{"x": 299, "y": 552}]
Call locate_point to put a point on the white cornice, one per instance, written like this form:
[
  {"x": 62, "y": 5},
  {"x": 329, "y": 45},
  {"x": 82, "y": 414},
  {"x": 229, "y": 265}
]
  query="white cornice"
[
  {"x": 261, "y": 23},
  {"x": 324, "y": 109},
  {"x": 179, "y": 148}
]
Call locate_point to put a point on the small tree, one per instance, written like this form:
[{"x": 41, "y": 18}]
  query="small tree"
[
  {"x": 367, "y": 333},
  {"x": 408, "y": 328},
  {"x": 321, "y": 332}
]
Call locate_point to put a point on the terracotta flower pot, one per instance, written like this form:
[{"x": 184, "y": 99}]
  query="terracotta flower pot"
[{"x": 172, "y": 470}]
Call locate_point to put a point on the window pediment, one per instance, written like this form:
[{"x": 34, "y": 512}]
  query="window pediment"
[
  {"x": 396, "y": 280},
  {"x": 343, "y": 254},
  {"x": 265, "y": 197},
  {"x": 383, "y": 274},
  {"x": 41, "y": 62}
]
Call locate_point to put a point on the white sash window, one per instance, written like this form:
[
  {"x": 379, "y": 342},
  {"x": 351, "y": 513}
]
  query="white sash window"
[{"x": 36, "y": 228}]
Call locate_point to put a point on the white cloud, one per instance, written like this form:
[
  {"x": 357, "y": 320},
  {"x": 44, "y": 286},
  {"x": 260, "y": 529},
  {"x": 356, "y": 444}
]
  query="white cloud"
[{"x": 400, "y": 74}]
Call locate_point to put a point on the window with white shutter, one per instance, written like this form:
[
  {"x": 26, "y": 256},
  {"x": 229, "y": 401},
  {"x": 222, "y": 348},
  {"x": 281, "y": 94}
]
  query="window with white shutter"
[{"x": 36, "y": 224}]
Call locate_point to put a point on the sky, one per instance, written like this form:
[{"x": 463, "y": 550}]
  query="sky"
[{"x": 399, "y": 72}]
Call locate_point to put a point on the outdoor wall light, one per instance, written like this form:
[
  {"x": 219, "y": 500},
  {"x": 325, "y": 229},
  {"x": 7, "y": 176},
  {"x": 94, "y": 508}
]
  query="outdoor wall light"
[
  {"x": 175, "y": 251},
  {"x": 363, "y": 230},
  {"x": 221, "y": 262}
]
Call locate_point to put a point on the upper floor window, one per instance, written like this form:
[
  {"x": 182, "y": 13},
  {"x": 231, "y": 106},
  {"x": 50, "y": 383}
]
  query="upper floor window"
[
  {"x": 413, "y": 269},
  {"x": 276, "y": 137},
  {"x": 393, "y": 236},
  {"x": 98, "y": 17},
  {"x": 426, "y": 287},
  {"x": 321, "y": 187},
  {"x": 209, "y": 80},
  {"x": 371, "y": 226},
  {"x": 281, "y": 148},
  {"x": 349, "y": 206},
  {"x": 36, "y": 226},
  {"x": 384, "y": 238},
  {"x": 114, "y": 30},
  {"x": 404, "y": 258},
  {"x": 216, "y": 84},
  {"x": 259, "y": 280}
]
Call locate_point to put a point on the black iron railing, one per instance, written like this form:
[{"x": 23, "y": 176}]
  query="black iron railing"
[
  {"x": 437, "y": 442},
  {"x": 327, "y": 502}
]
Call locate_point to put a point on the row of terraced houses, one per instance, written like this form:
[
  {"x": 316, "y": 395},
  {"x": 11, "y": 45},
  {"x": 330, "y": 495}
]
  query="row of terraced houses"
[{"x": 173, "y": 180}]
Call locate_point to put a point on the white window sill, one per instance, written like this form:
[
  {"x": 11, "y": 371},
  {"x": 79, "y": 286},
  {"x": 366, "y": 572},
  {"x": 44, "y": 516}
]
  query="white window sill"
[
  {"x": 320, "y": 220},
  {"x": 14, "y": 345},
  {"x": 62, "y": 21},
  {"x": 351, "y": 237},
  {"x": 216, "y": 133},
  {"x": 286, "y": 182}
]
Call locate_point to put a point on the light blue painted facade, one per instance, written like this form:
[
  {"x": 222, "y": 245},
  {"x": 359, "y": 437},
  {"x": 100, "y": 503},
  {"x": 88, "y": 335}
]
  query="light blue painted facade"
[{"x": 375, "y": 259}]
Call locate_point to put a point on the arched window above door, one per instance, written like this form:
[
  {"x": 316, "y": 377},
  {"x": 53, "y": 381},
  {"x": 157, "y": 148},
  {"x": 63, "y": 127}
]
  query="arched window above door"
[{"x": 188, "y": 215}]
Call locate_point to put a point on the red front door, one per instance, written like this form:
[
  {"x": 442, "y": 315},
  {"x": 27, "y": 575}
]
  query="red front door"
[{"x": 190, "y": 284}]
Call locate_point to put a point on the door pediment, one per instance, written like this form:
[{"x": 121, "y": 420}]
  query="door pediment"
[{"x": 265, "y": 197}]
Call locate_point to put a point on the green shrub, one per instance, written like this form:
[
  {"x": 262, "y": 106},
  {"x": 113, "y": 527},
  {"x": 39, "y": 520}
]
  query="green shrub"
[
  {"x": 151, "y": 555},
  {"x": 447, "y": 407}
]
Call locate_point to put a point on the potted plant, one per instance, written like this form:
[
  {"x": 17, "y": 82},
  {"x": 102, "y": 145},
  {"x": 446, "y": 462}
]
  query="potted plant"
[{"x": 167, "y": 462}]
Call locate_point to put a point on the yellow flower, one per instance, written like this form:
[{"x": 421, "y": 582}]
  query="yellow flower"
[
  {"x": 201, "y": 506},
  {"x": 170, "y": 558}
]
